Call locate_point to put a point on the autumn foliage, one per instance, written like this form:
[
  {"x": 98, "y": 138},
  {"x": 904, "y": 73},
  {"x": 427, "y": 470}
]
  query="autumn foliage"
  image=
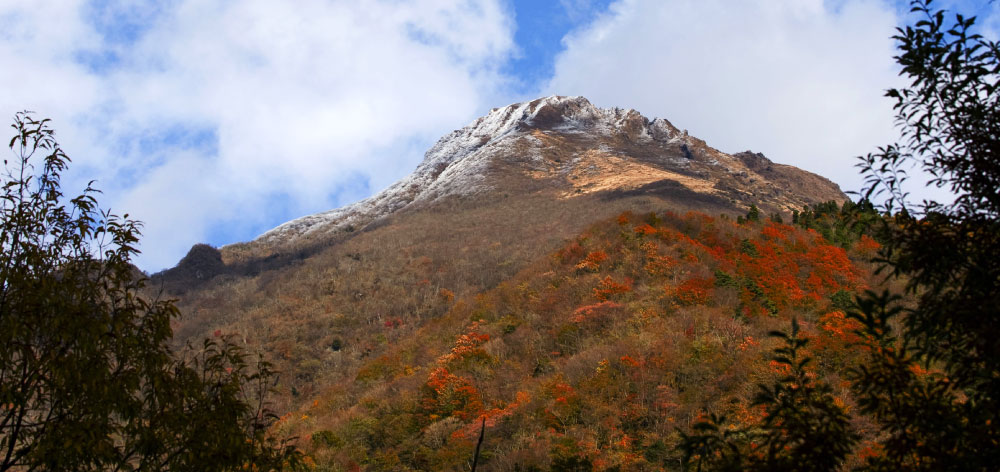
[
  {"x": 593, "y": 261},
  {"x": 695, "y": 291},
  {"x": 595, "y": 357}
]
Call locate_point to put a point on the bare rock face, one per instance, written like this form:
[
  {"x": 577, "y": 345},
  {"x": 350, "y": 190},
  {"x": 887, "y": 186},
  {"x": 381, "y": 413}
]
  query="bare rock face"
[{"x": 567, "y": 147}]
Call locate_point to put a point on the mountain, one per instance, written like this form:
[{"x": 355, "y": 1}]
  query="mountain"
[
  {"x": 567, "y": 147},
  {"x": 529, "y": 248}
]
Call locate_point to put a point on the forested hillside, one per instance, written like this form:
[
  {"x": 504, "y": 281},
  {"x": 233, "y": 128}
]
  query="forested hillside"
[{"x": 598, "y": 355}]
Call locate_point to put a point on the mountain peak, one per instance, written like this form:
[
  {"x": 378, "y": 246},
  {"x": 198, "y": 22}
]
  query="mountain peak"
[
  {"x": 568, "y": 146},
  {"x": 459, "y": 161},
  {"x": 561, "y": 113},
  {"x": 546, "y": 112}
]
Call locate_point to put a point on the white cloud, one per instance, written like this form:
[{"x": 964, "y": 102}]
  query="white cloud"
[
  {"x": 291, "y": 102},
  {"x": 578, "y": 10},
  {"x": 800, "y": 80},
  {"x": 39, "y": 69}
]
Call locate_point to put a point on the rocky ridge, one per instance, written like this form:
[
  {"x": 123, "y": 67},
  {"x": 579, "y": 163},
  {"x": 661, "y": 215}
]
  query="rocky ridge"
[{"x": 570, "y": 147}]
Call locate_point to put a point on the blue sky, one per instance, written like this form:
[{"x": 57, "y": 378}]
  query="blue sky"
[
  {"x": 213, "y": 121},
  {"x": 540, "y": 28}
]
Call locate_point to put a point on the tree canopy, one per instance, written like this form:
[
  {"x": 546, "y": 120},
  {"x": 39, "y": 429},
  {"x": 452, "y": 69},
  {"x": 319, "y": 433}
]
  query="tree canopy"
[
  {"x": 87, "y": 381},
  {"x": 931, "y": 380},
  {"x": 934, "y": 386}
]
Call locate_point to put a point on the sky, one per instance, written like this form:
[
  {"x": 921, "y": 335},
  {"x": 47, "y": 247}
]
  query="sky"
[{"x": 214, "y": 121}]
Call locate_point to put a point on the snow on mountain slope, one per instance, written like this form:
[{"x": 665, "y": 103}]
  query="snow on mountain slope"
[{"x": 605, "y": 149}]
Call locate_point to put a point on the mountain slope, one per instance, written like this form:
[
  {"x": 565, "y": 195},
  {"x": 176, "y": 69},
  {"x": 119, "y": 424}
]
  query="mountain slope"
[
  {"x": 593, "y": 356},
  {"x": 327, "y": 297},
  {"x": 569, "y": 147}
]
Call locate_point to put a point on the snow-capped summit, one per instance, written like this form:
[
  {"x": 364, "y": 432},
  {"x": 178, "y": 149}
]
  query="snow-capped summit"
[{"x": 569, "y": 147}]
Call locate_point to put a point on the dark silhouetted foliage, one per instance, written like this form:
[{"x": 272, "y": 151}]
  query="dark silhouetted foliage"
[
  {"x": 804, "y": 428},
  {"x": 930, "y": 381},
  {"x": 86, "y": 379},
  {"x": 933, "y": 383}
]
